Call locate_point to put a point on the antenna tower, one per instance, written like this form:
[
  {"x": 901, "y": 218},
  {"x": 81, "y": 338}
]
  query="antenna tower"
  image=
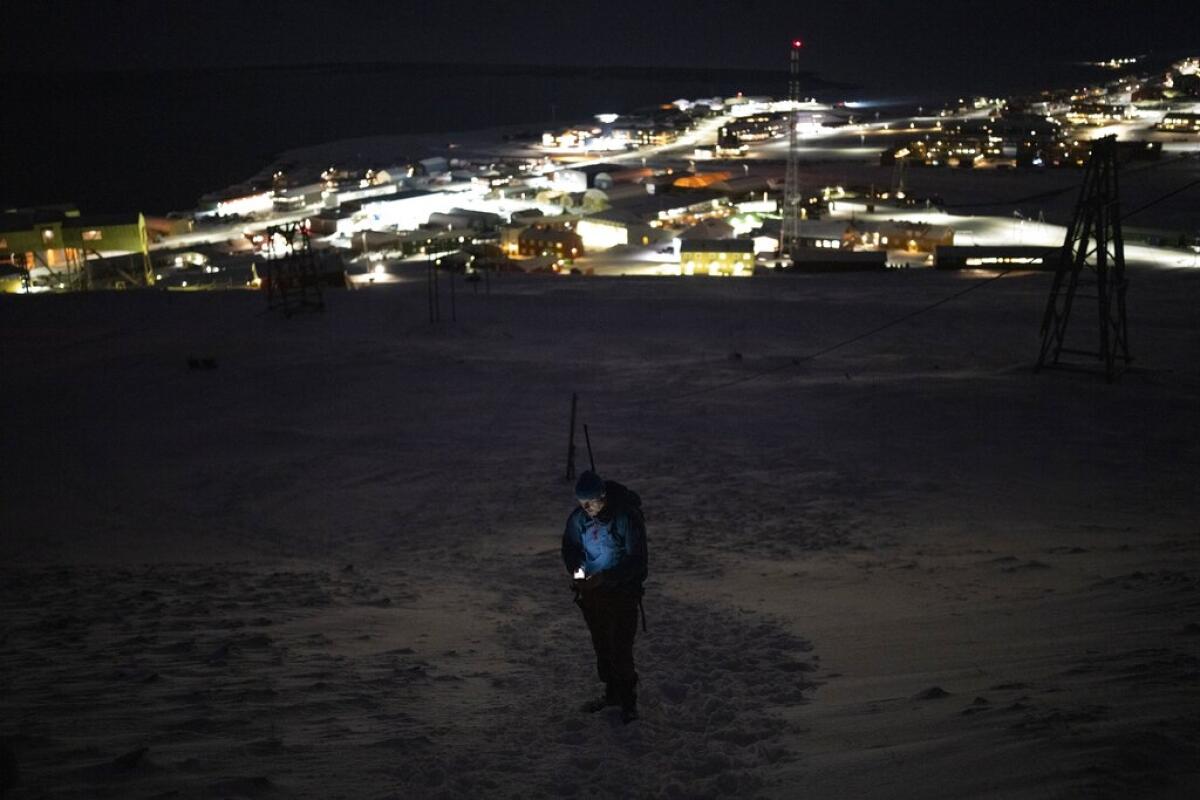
[
  {"x": 789, "y": 229},
  {"x": 1093, "y": 240}
]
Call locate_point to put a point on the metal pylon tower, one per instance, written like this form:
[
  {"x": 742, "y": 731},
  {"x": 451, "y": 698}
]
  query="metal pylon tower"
[
  {"x": 293, "y": 275},
  {"x": 1094, "y": 241},
  {"x": 789, "y": 229}
]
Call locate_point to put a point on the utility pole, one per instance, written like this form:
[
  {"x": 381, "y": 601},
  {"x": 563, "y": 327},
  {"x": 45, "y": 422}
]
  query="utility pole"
[
  {"x": 789, "y": 227},
  {"x": 571, "y": 439},
  {"x": 1094, "y": 241}
]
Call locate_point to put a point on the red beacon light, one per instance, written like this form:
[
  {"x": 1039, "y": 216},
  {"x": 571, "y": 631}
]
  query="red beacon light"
[{"x": 797, "y": 44}]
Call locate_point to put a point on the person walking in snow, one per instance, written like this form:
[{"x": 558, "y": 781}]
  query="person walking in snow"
[{"x": 604, "y": 551}]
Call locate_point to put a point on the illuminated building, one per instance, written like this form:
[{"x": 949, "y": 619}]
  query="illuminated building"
[
  {"x": 624, "y": 192},
  {"x": 376, "y": 241},
  {"x": 592, "y": 176},
  {"x": 464, "y": 219},
  {"x": 850, "y": 235},
  {"x": 331, "y": 222},
  {"x": 656, "y": 135},
  {"x": 299, "y": 198},
  {"x": 510, "y": 235},
  {"x": 408, "y": 243},
  {"x": 336, "y": 197},
  {"x": 757, "y": 128},
  {"x": 947, "y": 149},
  {"x": 614, "y": 228},
  {"x": 911, "y": 237},
  {"x": 62, "y": 250},
  {"x": 995, "y": 256},
  {"x": 542, "y": 241},
  {"x": 1097, "y": 113},
  {"x": 1181, "y": 122},
  {"x": 832, "y": 235},
  {"x": 429, "y": 167},
  {"x": 729, "y": 257},
  {"x": 681, "y": 207},
  {"x": 405, "y": 210}
]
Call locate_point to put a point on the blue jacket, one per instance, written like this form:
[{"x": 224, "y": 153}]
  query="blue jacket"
[{"x": 613, "y": 543}]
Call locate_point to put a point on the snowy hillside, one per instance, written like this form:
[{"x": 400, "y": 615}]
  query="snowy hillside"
[{"x": 328, "y": 566}]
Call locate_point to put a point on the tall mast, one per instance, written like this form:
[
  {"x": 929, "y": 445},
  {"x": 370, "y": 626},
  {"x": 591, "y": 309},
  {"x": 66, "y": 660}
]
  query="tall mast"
[{"x": 790, "y": 223}]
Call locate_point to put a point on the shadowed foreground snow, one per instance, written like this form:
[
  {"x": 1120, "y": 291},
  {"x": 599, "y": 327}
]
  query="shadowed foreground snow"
[{"x": 329, "y": 567}]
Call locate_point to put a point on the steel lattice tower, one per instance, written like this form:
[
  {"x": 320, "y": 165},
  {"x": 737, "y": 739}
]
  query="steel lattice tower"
[
  {"x": 293, "y": 275},
  {"x": 1094, "y": 240},
  {"x": 789, "y": 229}
]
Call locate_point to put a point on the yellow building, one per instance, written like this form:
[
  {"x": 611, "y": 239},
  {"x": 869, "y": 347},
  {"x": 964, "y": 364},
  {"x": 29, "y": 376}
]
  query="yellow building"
[
  {"x": 731, "y": 257},
  {"x": 1180, "y": 121},
  {"x": 60, "y": 249}
]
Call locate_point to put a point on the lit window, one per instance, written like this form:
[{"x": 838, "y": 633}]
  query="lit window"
[{"x": 93, "y": 236}]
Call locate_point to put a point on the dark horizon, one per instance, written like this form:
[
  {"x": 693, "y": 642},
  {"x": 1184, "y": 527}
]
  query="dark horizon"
[
  {"x": 464, "y": 68},
  {"x": 855, "y": 43}
]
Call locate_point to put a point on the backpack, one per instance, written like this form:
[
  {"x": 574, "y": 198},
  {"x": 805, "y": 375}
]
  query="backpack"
[{"x": 625, "y": 499}]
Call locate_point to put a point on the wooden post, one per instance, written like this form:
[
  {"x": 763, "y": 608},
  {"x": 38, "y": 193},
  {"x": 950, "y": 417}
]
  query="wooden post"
[
  {"x": 429, "y": 287},
  {"x": 571, "y": 440},
  {"x": 588, "y": 439},
  {"x": 437, "y": 295}
]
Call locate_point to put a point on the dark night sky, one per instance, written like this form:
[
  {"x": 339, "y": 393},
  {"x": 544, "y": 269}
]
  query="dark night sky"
[
  {"x": 110, "y": 142},
  {"x": 873, "y": 42}
]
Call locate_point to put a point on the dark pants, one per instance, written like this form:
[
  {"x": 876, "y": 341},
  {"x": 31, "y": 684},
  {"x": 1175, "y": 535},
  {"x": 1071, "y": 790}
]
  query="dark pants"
[{"x": 612, "y": 619}]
